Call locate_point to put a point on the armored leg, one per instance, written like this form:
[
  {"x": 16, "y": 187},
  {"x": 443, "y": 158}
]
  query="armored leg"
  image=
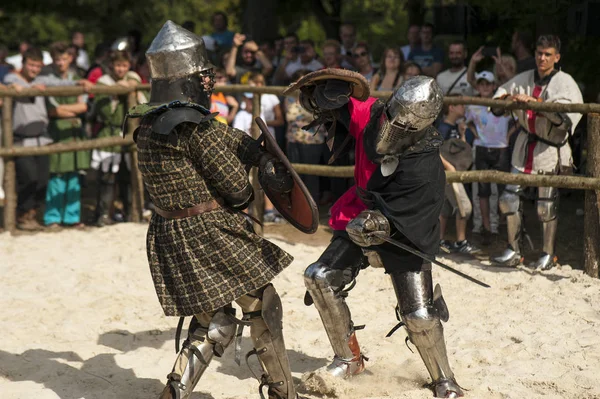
[
  {"x": 547, "y": 210},
  {"x": 325, "y": 281},
  {"x": 421, "y": 315},
  {"x": 510, "y": 205},
  {"x": 263, "y": 309},
  {"x": 208, "y": 336}
]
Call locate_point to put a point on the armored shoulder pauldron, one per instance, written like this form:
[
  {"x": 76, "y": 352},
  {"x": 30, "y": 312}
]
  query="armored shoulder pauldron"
[{"x": 171, "y": 115}]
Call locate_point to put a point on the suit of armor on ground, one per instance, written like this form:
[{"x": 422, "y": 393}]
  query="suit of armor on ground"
[
  {"x": 399, "y": 193},
  {"x": 203, "y": 253}
]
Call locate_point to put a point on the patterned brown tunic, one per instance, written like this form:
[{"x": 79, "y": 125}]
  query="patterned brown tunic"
[{"x": 203, "y": 262}]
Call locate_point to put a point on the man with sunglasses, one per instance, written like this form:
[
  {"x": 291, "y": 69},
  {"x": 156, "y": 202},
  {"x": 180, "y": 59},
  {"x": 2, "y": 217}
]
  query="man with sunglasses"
[{"x": 399, "y": 193}]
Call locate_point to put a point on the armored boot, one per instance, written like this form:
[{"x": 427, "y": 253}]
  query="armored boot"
[
  {"x": 422, "y": 316},
  {"x": 510, "y": 206},
  {"x": 509, "y": 257},
  {"x": 266, "y": 330},
  {"x": 545, "y": 262},
  {"x": 547, "y": 214},
  {"x": 326, "y": 293},
  {"x": 208, "y": 336}
]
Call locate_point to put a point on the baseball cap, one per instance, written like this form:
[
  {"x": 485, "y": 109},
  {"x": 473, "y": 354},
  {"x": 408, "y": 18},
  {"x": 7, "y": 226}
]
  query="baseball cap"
[{"x": 486, "y": 75}]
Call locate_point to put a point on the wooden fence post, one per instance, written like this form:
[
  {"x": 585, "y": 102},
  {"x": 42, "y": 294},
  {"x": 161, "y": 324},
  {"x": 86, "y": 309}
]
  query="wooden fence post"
[
  {"x": 591, "y": 233},
  {"x": 137, "y": 184},
  {"x": 258, "y": 205},
  {"x": 10, "y": 175}
]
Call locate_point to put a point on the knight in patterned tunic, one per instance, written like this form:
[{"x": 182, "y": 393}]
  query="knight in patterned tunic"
[{"x": 203, "y": 253}]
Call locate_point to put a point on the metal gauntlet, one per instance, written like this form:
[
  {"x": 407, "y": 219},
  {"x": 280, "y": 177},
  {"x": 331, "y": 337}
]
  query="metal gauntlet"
[
  {"x": 361, "y": 228},
  {"x": 273, "y": 176}
]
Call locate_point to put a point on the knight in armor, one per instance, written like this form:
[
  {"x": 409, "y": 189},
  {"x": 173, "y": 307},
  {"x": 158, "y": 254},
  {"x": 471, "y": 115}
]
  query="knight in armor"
[
  {"x": 541, "y": 147},
  {"x": 399, "y": 193},
  {"x": 203, "y": 254}
]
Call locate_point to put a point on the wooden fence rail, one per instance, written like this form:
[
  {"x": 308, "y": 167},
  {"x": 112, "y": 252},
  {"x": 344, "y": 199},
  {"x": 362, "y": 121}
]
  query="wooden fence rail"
[{"x": 592, "y": 183}]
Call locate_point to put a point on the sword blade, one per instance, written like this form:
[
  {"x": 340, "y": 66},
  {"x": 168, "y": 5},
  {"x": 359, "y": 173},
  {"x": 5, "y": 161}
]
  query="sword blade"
[{"x": 427, "y": 258}]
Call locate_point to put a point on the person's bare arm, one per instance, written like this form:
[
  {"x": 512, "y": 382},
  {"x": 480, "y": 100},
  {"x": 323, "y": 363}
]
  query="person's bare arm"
[
  {"x": 234, "y": 106},
  {"x": 433, "y": 70},
  {"x": 447, "y": 165},
  {"x": 475, "y": 58},
  {"x": 374, "y": 82},
  {"x": 278, "y": 121},
  {"x": 238, "y": 40}
]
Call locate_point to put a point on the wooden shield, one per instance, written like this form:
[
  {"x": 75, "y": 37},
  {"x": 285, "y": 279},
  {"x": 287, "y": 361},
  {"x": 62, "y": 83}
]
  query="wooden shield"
[{"x": 297, "y": 207}]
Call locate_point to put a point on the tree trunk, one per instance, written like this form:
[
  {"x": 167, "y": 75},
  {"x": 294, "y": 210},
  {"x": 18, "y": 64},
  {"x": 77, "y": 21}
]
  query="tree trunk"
[
  {"x": 330, "y": 21},
  {"x": 416, "y": 12},
  {"x": 591, "y": 244},
  {"x": 260, "y": 19}
]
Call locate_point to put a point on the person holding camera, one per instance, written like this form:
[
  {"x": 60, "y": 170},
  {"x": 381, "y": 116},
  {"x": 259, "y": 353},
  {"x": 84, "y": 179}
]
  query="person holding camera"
[
  {"x": 299, "y": 57},
  {"x": 251, "y": 60}
]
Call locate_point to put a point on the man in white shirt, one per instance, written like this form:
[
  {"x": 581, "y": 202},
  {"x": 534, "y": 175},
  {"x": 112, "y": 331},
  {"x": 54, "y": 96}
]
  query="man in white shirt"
[
  {"x": 454, "y": 79},
  {"x": 541, "y": 147}
]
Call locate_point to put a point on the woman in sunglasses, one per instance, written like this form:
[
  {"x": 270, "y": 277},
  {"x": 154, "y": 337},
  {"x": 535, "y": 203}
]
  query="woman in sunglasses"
[
  {"x": 362, "y": 61},
  {"x": 389, "y": 75}
]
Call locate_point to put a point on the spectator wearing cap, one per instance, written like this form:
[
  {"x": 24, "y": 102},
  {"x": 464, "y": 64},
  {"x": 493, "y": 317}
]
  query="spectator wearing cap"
[
  {"x": 429, "y": 57},
  {"x": 454, "y": 79},
  {"x": 221, "y": 34},
  {"x": 413, "y": 35},
  {"x": 251, "y": 60},
  {"x": 362, "y": 61},
  {"x": 491, "y": 151}
]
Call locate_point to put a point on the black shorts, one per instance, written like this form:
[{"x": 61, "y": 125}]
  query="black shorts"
[
  {"x": 343, "y": 254},
  {"x": 491, "y": 159}
]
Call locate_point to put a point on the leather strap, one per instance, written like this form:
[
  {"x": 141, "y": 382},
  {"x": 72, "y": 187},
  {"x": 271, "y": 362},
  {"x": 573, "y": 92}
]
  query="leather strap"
[{"x": 188, "y": 212}]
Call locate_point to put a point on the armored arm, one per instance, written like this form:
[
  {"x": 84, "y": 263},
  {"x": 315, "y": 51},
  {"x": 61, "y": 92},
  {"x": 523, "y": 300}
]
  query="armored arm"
[
  {"x": 271, "y": 172},
  {"x": 361, "y": 228},
  {"x": 220, "y": 166}
]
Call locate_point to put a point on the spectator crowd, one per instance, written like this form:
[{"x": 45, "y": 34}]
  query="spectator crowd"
[{"x": 53, "y": 184}]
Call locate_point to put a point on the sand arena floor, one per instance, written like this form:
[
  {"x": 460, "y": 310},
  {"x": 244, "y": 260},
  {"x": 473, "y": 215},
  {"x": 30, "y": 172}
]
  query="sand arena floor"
[{"x": 79, "y": 319}]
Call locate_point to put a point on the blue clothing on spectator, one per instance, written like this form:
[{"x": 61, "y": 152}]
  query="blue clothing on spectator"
[
  {"x": 449, "y": 131},
  {"x": 4, "y": 70},
  {"x": 63, "y": 199},
  {"x": 223, "y": 39},
  {"x": 426, "y": 58}
]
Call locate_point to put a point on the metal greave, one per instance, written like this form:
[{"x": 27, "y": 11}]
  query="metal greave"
[
  {"x": 332, "y": 308},
  {"x": 414, "y": 291}
]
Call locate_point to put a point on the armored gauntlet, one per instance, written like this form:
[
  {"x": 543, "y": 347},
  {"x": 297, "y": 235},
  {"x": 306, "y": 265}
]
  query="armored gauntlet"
[
  {"x": 361, "y": 228},
  {"x": 273, "y": 175}
]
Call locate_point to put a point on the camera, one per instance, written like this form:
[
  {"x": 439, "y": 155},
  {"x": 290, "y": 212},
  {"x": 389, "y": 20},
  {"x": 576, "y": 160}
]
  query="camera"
[
  {"x": 489, "y": 51},
  {"x": 299, "y": 49}
]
